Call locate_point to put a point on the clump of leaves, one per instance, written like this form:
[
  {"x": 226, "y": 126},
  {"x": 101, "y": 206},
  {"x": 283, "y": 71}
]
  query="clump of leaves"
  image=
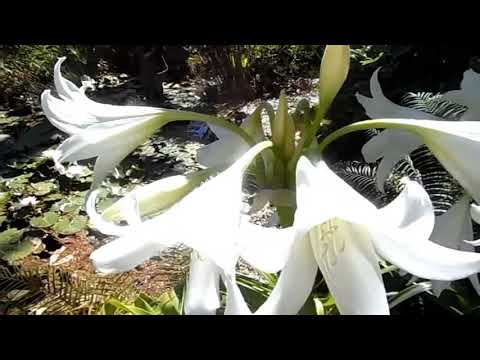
[{"x": 167, "y": 303}]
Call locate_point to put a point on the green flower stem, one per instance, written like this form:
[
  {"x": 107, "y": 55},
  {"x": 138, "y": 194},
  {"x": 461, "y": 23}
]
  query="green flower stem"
[
  {"x": 285, "y": 215},
  {"x": 175, "y": 115},
  {"x": 361, "y": 125}
]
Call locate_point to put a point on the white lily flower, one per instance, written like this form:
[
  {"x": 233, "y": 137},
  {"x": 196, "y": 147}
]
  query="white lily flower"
[
  {"x": 107, "y": 132},
  {"x": 74, "y": 111},
  {"x": 456, "y": 145},
  {"x": 468, "y": 96},
  {"x": 453, "y": 229},
  {"x": 340, "y": 232},
  {"x": 207, "y": 219},
  {"x": 391, "y": 144}
]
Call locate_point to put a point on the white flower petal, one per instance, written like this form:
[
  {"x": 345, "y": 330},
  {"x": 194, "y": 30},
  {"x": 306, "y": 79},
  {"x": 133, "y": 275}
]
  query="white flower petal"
[
  {"x": 224, "y": 151},
  {"x": 294, "y": 284},
  {"x": 202, "y": 295},
  {"x": 425, "y": 258},
  {"x": 351, "y": 272},
  {"x": 125, "y": 253},
  {"x": 469, "y": 95},
  {"x": 454, "y": 226},
  {"x": 65, "y": 88},
  {"x": 264, "y": 248},
  {"x": 379, "y": 107},
  {"x": 451, "y": 228},
  {"x": 320, "y": 184},
  {"x": 131, "y": 210},
  {"x": 392, "y": 145},
  {"x": 96, "y": 219},
  {"x": 221, "y": 245},
  {"x": 236, "y": 304},
  {"x": 411, "y": 211}
]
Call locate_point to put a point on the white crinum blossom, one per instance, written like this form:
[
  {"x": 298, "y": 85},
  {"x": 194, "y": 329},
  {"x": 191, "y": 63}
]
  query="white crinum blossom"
[
  {"x": 392, "y": 144},
  {"x": 105, "y": 132},
  {"x": 343, "y": 234},
  {"x": 208, "y": 220},
  {"x": 468, "y": 96},
  {"x": 454, "y": 144}
]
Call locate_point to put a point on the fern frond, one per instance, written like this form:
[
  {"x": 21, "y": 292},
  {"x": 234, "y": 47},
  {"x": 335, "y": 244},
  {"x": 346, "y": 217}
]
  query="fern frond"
[
  {"x": 433, "y": 104},
  {"x": 54, "y": 291},
  {"x": 361, "y": 176}
]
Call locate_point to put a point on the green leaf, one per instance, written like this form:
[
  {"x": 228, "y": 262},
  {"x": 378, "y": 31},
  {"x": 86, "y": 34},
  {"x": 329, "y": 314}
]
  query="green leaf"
[
  {"x": 2, "y": 219},
  {"x": 69, "y": 226},
  {"x": 4, "y": 199},
  {"x": 10, "y": 236},
  {"x": 47, "y": 220},
  {"x": 18, "y": 184},
  {"x": 170, "y": 304},
  {"x": 11, "y": 248},
  {"x": 43, "y": 188},
  {"x": 70, "y": 205},
  {"x": 20, "y": 251},
  {"x": 53, "y": 197}
]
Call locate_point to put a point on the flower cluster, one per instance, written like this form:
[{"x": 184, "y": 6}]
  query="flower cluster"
[{"x": 325, "y": 225}]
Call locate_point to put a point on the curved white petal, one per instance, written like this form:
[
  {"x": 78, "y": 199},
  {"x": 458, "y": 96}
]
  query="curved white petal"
[
  {"x": 379, "y": 107},
  {"x": 76, "y": 99},
  {"x": 111, "y": 144},
  {"x": 202, "y": 295},
  {"x": 295, "y": 282},
  {"x": 454, "y": 226},
  {"x": 226, "y": 150},
  {"x": 65, "y": 88},
  {"x": 264, "y": 248},
  {"x": 425, "y": 258},
  {"x": 451, "y": 228},
  {"x": 131, "y": 210},
  {"x": 317, "y": 185},
  {"x": 236, "y": 304},
  {"x": 469, "y": 95},
  {"x": 411, "y": 211},
  {"x": 392, "y": 145},
  {"x": 222, "y": 153},
  {"x": 97, "y": 220},
  {"x": 351, "y": 271},
  {"x": 124, "y": 253}
]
